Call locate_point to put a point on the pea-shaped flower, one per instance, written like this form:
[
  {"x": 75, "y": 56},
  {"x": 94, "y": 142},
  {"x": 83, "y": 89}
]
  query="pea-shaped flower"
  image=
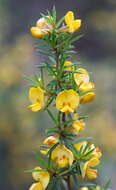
[
  {"x": 73, "y": 25},
  {"x": 50, "y": 141},
  {"x": 41, "y": 29},
  {"x": 36, "y": 96},
  {"x": 67, "y": 101},
  {"x": 42, "y": 178},
  {"x": 88, "y": 168},
  {"x": 62, "y": 156},
  {"x": 85, "y": 86},
  {"x": 82, "y": 76},
  {"x": 89, "y": 97}
]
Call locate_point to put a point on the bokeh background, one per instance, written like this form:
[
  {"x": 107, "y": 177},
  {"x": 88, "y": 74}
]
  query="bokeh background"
[{"x": 21, "y": 131}]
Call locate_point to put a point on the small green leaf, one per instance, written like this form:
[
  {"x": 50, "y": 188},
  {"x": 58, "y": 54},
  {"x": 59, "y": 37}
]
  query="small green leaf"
[
  {"x": 106, "y": 186},
  {"x": 51, "y": 115},
  {"x": 41, "y": 161},
  {"x": 81, "y": 140},
  {"x": 54, "y": 14},
  {"x": 59, "y": 22},
  {"x": 76, "y": 38}
]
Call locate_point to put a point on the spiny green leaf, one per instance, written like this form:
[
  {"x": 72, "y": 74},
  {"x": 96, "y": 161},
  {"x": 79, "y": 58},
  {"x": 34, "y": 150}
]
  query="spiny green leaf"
[
  {"x": 41, "y": 161},
  {"x": 87, "y": 185},
  {"x": 81, "y": 140},
  {"x": 59, "y": 22},
  {"x": 54, "y": 13},
  {"x": 51, "y": 115},
  {"x": 106, "y": 186},
  {"x": 76, "y": 38}
]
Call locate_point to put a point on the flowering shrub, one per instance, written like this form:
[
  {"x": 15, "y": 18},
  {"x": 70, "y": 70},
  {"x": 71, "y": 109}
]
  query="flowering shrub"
[{"x": 66, "y": 159}]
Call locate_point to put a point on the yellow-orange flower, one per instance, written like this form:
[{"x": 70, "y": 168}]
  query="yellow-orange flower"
[
  {"x": 36, "y": 186},
  {"x": 67, "y": 101},
  {"x": 41, "y": 29},
  {"x": 68, "y": 64},
  {"x": 62, "y": 156},
  {"x": 51, "y": 140},
  {"x": 88, "y": 168},
  {"x": 43, "y": 178},
  {"x": 73, "y": 25},
  {"x": 89, "y": 97},
  {"x": 96, "y": 152},
  {"x": 78, "y": 126},
  {"x": 36, "y": 96},
  {"x": 82, "y": 76},
  {"x": 85, "y": 86}
]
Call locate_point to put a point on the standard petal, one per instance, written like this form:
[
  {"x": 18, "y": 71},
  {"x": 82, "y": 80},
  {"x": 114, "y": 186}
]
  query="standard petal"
[
  {"x": 36, "y": 186},
  {"x": 35, "y": 107},
  {"x": 41, "y": 176},
  {"x": 69, "y": 18},
  {"x": 36, "y": 32}
]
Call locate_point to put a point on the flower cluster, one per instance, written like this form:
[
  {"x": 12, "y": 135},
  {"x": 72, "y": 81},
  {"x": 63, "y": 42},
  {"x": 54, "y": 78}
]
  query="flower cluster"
[{"x": 64, "y": 154}]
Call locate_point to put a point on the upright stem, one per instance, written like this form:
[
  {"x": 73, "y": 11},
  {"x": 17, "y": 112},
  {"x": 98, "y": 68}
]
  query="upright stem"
[{"x": 68, "y": 183}]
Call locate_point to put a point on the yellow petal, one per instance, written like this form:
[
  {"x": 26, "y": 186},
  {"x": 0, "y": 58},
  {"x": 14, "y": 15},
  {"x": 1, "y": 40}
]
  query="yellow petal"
[
  {"x": 50, "y": 141},
  {"x": 81, "y": 77},
  {"x": 67, "y": 109},
  {"x": 76, "y": 24},
  {"x": 91, "y": 173},
  {"x": 68, "y": 64},
  {"x": 35, "y": 107},
  {"x": 44, "y": 152},
  {"x": 62, "y": 156},
  {"x": 36, "y": 186},
  {"x": 67, "y": 101},
  {"x": 85, "y": 86},
  {"x": 89, "y": 97},
  {"x": 69, "y": 18},
  {"x": 36, "y": 96},
  {"x": 78, "y": 126},
  {"x": 93, "y": 162},
  {"x": 36, "y": 32},
  {"x": 43, "y": 177}
]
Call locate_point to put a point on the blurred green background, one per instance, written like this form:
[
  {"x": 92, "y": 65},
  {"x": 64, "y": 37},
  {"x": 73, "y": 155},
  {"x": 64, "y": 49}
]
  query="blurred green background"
[{"x": 21, "y": 131}]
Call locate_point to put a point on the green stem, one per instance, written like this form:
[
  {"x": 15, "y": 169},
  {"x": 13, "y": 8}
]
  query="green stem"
[{"x": 68, "y": 183}]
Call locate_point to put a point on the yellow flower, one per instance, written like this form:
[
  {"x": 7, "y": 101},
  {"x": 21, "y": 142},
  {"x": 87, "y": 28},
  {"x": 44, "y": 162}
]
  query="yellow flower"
[
  {"x": 96, "y": 152},
  {"x": 81, "y": 77},
  {"x": 87, "y": 97},
  {"x": 73, "y": 25},
  {"x": 36, "y": 32},
  {"x": 49, "y": 141},
  {"x": 78, "y": 126},
  {"x": 41, "y": 29},
  {"x": 85, "y": 86},
  {"x": 68, "y": 64},
  {"x": 62, "y": 156},
  {"x": 36, "y": 186},
  {"x": 42, "y": 177},
  {"x": 88, "y": 168},
  {"x": 67, "y": 101},
  {"x": 36, "y": 96}
]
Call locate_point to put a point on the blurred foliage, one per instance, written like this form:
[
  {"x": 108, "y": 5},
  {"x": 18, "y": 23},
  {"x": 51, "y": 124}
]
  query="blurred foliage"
[{"x": 20, "y": 130}]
